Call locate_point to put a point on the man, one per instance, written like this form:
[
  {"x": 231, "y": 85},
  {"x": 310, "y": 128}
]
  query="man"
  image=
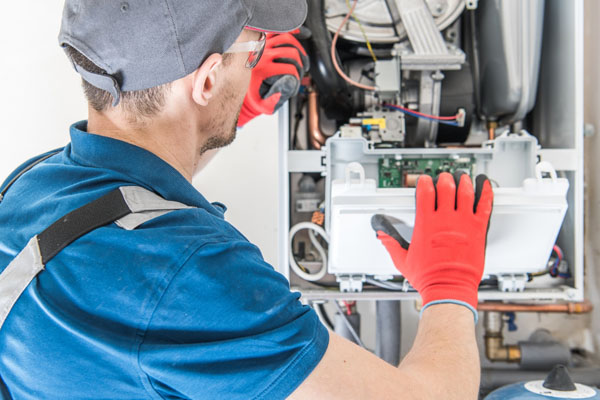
[{"x": 184, "y": 306}]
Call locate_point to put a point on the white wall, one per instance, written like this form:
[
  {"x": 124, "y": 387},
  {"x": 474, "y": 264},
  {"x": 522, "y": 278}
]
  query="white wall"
[
  {"x": 40, "y": 97},
  {"x": 244, "y": 177}
]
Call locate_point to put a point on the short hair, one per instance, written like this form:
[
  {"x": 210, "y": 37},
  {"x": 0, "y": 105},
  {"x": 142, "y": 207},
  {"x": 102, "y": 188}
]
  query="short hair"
[
  {"x": 227, "y": 58},
  {"x": 138, "y": 103}
]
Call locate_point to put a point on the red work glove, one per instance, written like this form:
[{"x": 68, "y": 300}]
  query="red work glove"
[
  {"x": 444, "y": 260},
  {"x": 276, "y": 78}
]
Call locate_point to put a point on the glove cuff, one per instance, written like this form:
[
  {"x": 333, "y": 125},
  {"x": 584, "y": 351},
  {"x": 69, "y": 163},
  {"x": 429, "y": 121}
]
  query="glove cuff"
[
  {"x": 464, "y": 295},
  {"x": 450, "y": 301}
]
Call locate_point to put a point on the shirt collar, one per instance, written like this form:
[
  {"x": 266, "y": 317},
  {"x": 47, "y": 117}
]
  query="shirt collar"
[{"x": 143, "y": 167}]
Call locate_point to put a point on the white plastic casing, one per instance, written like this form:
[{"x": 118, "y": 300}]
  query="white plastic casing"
[{"x": 523, "y": 229}]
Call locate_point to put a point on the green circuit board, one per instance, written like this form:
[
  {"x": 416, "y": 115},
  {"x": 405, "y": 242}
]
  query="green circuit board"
[{"x": 395, "y": 173}]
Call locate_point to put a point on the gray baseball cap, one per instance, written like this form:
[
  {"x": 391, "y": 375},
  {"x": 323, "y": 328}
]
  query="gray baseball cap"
[{"x": 147, "y": 43}]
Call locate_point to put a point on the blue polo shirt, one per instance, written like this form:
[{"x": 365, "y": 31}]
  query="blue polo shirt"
[{"x": 182, "y": 307}]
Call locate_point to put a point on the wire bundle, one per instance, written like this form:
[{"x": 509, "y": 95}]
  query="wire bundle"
[
  {"x": 334, "y": 55},
  {"x": 451, "y": 120},
  {"x": 554, "y": 271}
]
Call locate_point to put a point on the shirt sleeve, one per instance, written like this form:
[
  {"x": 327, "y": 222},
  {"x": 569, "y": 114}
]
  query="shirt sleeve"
[{"x": 228, "y": 327}]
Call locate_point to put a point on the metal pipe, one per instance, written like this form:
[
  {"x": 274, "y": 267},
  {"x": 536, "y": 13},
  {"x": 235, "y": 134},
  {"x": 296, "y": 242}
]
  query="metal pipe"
[
  {"x": 542, "y": 351},
  {"x": 316, "y": 136},
  {"x": 387, "y": 345},
  {"x": 569, "y": 308},
  {"x": 495, "y": 349}
]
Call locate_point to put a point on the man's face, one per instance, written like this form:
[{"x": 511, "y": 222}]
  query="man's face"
[{"x": 225, "y": 107}]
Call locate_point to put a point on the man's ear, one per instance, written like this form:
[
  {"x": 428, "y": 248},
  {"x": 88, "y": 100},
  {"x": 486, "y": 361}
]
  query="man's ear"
[{"x": 205, "y": 78}]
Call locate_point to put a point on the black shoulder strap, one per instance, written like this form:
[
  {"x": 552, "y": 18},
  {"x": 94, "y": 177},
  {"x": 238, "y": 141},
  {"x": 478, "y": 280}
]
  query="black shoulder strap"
[
  {"x": 128, "y": 206},
  {"x": 109, "y": 208},
  {"x": 77, "y": 223}
]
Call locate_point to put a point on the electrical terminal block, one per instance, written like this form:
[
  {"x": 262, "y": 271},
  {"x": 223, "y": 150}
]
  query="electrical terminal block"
[
  {"x": 318, "y": 218},
  {"x": 351, "y": 132},
  {"x": 512, "y": 282},
  {"x": 351, "y": 283},
  {"x": 461, "y": 116}
]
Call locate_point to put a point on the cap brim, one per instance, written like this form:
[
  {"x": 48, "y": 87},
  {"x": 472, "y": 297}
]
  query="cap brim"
[{"x": 278, "y": 15}]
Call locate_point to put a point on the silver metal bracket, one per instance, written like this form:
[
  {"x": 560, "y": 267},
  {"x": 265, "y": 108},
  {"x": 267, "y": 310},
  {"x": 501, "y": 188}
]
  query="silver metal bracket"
[
  {"x": 429, "y": 102},
  {"x": 428, "y": 50},
  {"x": 351, "y": 283}
]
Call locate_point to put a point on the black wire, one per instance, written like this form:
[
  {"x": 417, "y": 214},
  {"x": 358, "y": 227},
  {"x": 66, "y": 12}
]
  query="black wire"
[
  {"x": 366, "y": 287},
  {"x": 298, "y": 117},
  {"x": 475, "y": 61},
  {"x": 349, "y": 326},
  {"x": 307, "y": 271},
  {"x": 493, "y": 281},
  {"x": 325, "y": 316},
  {"x": 547, "y": 271}
]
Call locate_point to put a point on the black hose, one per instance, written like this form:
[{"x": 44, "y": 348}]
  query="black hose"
[
  {"x": 475, "y": 61},
  {"x": 348, "y": 326},
  {"x": 325, "y": 316},
  {"x": 388, "y": 337},
  {"x": 336, "y": 97}
]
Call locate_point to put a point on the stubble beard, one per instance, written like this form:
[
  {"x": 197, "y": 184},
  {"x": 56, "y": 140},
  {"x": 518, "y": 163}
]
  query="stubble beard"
[{"x": 223, "y": 123}]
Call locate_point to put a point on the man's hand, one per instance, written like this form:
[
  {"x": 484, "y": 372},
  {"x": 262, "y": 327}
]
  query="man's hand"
[
  {"x": 444, "y": 260},
  {"x": 276, "y": 78}
]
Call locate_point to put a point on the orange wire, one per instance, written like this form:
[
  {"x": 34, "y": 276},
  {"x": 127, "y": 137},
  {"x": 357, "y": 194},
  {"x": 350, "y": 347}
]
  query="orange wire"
[{"x": 334, "y": 58}]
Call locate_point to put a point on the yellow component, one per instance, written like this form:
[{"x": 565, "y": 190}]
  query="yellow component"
[
  {"x": 375, "y": 121},
  {"x": 363, "y": 32}
]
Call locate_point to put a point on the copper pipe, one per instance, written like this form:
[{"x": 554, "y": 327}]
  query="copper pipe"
[
  {"x": 568, "y": 308},
  {"x": 492, "y": 125},
  {"x": 316, "y": 136}
]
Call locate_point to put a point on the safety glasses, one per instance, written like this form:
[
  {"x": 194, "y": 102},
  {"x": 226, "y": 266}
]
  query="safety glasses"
[{"x": 255, "y": 47}]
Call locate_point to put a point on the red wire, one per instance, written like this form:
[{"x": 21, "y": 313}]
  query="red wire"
[
  {"x": 452, "y": 118},
  {"x": 559, "y": 252}
]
